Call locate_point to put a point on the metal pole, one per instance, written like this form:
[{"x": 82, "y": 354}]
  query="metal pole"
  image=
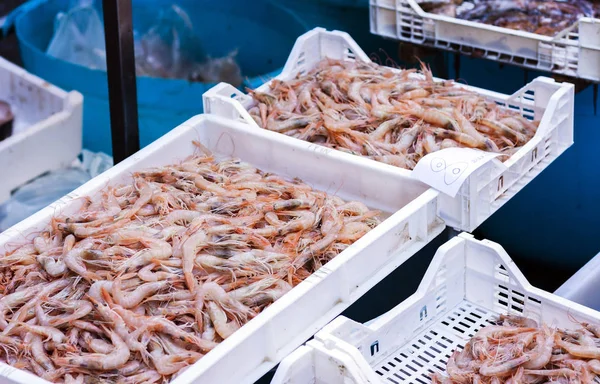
[{"x": 120, "y": 63}]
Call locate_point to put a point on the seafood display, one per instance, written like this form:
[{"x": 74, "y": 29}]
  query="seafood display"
[
  {"x": 519, "y": 350},
  {"x": 395, "y": 117},
  {"x": 147, "y": 278},
  {"x": 544, "y": 17}
]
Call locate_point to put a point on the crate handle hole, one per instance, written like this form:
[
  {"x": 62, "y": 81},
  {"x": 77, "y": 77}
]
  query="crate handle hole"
[
  {"x": 534, "y": 154},
  {"x": 374, "y": 348},
  {"x": 500, "y": 183}
]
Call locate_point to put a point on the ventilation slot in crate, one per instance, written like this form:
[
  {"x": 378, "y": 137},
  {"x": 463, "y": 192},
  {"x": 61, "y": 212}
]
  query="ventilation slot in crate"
[{"x": 428, "y": 353}]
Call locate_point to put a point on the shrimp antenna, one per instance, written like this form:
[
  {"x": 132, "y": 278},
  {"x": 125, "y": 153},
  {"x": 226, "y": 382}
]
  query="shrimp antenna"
[
  {"x": 389, "y": 62},
  {"x": 375, "y": 58},
  {"x": 572, "y": 318}
]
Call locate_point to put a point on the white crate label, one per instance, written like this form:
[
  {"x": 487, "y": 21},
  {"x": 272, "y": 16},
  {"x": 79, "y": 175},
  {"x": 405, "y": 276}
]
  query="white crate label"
[{"x": 448, "y": 169}]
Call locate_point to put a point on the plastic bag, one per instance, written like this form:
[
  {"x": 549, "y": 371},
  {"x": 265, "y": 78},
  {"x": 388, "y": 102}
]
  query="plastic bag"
[
  {"x": 168, "y": 49},
  {"x": 79, "y": 36},
  {"x": 95, "y": 163},
  {"x": 50, "y": 187},
  {"x": 218, "y": 70}
]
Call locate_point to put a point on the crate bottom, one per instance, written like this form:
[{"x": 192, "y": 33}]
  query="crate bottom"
[{"x": 430, "y": 350}]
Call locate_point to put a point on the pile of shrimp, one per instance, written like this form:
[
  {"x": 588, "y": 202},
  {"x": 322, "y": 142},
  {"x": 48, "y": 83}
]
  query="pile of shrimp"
[
  {"x": 385, "y": 115},
  {"x": 518, "y": 351},
  {"x": 142, "y": 282},
  {"x": 544, "y": 17}
]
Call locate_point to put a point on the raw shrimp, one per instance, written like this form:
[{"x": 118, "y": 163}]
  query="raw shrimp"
[
  {"x": 80, "y": 309},
  {"x": 133, "y": 299},
  {"x": 157, "y": 250},
  {"x": 590, "y": 352},
  {"x": 490, "y": 369},
  {"x": 541, "y": 354},
  {"x": 146, "y": 278},
  {"x": 189, "y": 250},
  {"x": 74, "y": 261},
  {"x": 97, "y": 361}
]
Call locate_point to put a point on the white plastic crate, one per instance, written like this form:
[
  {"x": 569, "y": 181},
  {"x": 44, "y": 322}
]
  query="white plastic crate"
[
  {"x": 584, "y": 285},
  {"x": 46, "y": 130},
  {"x": 260, "y": 344},
  {"x": 488, "y": 188},
  {"x": 468, "y": 283},
  {"x": 574, "y": 51}
]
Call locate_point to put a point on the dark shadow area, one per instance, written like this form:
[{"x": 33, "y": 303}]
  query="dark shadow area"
[{"x": 9, "y": 47}]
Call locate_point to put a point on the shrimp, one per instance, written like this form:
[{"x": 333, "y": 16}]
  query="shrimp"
[
  {"x": 395, "y": 160},
  {"x": 331, "y": 225},
  {"x": 181, "y": 216},
  {"x": 542, "y": 353},
  {"x": 159, "y": 324},
  {"x": 80, "y": 309},
  {"x": 146, "y": 377},
  {"x": 23, "y": 256},
  {"x": 595, "y": 329},
  {"x": 459, "y": 137},
  {"x": 479, "y": 342},
  {"x": 145, "y": 196},
  {"x": 120, "y": 326},
  {"x": 14, "y": 299},
  {"x": 86, "y": 326},
  {"x": 172, "y": 296},
  {"x": 50, "y": 332},
  {"x": 38, "y": 353},
  {"x": 42, "y": 243},
  {"x": 305, "y": 220},
  {"x": 98, "y": 361},
  {"x": 44, "y": 291},
  {"x": 172, "y": 363},
  {"x": 146, "y": 274},
  {"x": 517, "y": 378},
  {"x": 353, "y": 231},
  {"x": 57, "y": 267},
  {"x": 429, "y": 143},
  {"x": 518, "y": 321},
  {"x": 456, "y": 373},
  {"x": 208, "y": 332},
  {"x": 407, "y": 138},
  {"x": 288, "y": 125},
  {"x": 74, "y": 261},
  {"x": 213, "y": 292},
  {"x": 520, "y": 124},
  {"x": 504, "y": 130},
  {"x": 594, "y": 366},
  {"x": 385, "y": 127},
  {"x": 562, "y": 372},
  {"x": 189, "y": 249},
  {"x": 158, "y": 250},
  {"x": 219, "y": 320},
  {"x": 436, "y": 378},
  {"x": 589, "y": 352},
  {"x": 133, "y": 299},
  {"x": 490, "y": 369},
  {"x": 415, "y": 94},
  {"x": 97, "y": 345},
  {"x": 431, "y": 116}
]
